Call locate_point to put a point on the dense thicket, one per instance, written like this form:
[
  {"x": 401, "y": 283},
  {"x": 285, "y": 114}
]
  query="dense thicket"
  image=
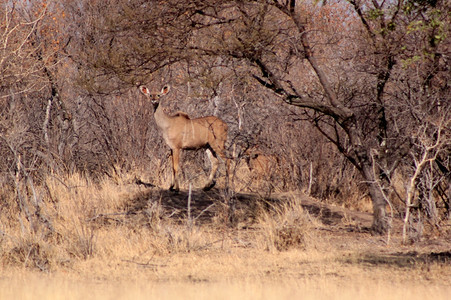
[{"x": 345, "y": 96}]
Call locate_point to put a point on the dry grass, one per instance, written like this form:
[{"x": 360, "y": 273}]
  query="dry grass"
[
  {"x": 245, "y": 274},
  {"x": 60, "y": 287},
  {"x": 116, "y": 240}
]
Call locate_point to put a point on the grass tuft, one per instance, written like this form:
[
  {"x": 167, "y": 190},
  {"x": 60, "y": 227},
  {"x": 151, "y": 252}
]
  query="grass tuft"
[{"x": 285, "y": 226}]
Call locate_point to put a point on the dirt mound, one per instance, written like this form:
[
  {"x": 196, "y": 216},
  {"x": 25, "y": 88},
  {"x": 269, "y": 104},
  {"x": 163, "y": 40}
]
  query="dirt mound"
[
  {"x": 206, "y": 203},
  {"x": 341, "y": 228}
]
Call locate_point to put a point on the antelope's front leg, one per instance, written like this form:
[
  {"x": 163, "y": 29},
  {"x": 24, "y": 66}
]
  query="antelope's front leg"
[{"x": 175, "y": 170}]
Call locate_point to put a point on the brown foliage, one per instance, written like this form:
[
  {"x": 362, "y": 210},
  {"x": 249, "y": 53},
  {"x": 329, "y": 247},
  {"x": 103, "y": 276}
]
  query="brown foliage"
[{"x": 341, "y": 89}]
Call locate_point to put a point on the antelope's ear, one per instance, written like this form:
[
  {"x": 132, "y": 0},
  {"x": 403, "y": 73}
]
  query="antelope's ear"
[
  {"x": 165, "y": 90},
  {"x": 144, "y": 90}
]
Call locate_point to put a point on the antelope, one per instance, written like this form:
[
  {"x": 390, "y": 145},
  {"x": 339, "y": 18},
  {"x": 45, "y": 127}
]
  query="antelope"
[
  {"x": 265, "y": 168},
  {"x": 261, "y": 164},
  {"x": 181, "y": 132}
]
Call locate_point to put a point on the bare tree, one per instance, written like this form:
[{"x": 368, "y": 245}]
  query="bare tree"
[
  {"x": 355, "y": 70},
  {"x": 27, "y": 94}
]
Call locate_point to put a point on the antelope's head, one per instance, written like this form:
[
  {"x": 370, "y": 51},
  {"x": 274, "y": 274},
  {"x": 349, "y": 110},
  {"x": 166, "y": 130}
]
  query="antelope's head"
[{"x": 154, "y": 98}]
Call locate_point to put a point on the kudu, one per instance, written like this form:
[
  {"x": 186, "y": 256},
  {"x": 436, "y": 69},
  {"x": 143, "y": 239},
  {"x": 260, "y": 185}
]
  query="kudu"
[
  {"x": 181, "y": 132},
  {"x": 260, "y": 164},
  {"x": 265, "y": 169}
]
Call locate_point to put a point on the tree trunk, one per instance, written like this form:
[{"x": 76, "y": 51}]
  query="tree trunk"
[{"x": 380, "y": 221}]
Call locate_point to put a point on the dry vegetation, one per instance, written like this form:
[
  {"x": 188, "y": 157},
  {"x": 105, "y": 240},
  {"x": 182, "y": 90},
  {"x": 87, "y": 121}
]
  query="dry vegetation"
[
  {"x": 113, "y": 239},
  {"x": 339, "y": 138}
]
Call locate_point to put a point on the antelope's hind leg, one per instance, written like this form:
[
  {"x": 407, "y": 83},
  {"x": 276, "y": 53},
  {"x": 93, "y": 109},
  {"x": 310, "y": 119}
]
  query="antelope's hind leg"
[
  {"x": 214, "y": 167},
  {"x": 220, "y": 155},
  {"x": 175, "y": 170}
]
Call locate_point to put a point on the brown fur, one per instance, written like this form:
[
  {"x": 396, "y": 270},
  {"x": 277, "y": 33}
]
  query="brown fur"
[{"x": 181, "y": 132}]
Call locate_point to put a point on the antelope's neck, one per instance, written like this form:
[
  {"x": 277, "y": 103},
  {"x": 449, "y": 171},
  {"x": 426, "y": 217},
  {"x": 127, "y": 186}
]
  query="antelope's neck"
[{"x": 161, "y": 118}]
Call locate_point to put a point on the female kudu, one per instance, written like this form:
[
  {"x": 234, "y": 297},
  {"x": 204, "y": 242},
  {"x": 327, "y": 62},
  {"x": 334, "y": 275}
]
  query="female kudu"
[{"x": 181, "y": 132}]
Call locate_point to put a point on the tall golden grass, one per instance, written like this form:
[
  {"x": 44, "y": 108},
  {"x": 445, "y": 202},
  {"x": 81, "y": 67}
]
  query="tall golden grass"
[
  {"x": 87, "y": 243},
  {"x": 80, "y": 219}
]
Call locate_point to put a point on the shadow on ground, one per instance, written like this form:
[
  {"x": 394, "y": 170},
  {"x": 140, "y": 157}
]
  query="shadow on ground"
[
  {"x": 202, "y": 205},
  {"x": 400, "y": 259}
]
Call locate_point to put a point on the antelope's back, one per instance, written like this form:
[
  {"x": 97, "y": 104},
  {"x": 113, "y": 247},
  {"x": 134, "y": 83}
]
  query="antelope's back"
[{"x": 216, "y": 126}]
